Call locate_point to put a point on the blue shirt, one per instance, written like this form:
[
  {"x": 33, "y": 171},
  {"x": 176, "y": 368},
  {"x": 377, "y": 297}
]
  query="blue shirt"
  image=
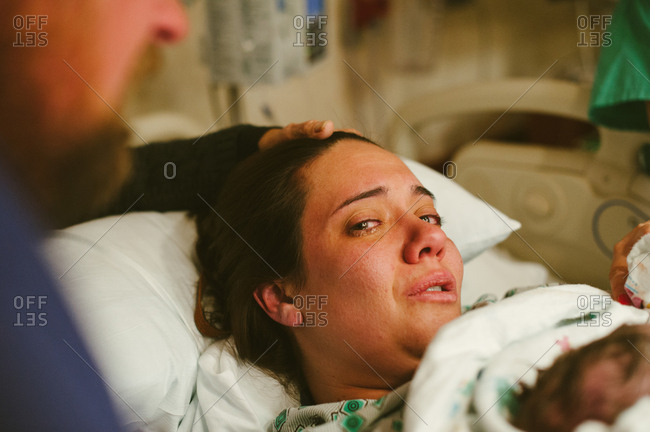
[{"x": 48, "y": 380}]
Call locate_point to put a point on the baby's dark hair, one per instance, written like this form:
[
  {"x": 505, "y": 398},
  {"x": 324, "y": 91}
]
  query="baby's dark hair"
[{"x": 597, "y": 382}]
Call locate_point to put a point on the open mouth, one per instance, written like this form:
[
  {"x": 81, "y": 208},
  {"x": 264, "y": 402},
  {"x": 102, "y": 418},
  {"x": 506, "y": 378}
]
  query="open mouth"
[
  {"x": 433, "y": 289},
  {"x": 438, "y": 287}
]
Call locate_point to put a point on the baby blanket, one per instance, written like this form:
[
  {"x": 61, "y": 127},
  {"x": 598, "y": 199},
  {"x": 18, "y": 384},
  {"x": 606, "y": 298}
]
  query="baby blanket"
[{"x": 469, "y": 374}]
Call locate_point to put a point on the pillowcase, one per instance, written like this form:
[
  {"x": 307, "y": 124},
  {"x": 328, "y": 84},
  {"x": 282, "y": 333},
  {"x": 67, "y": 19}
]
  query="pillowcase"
[
  {"x": 234, "y": 396},
  {"x": 130, "y": 282},
  {"x": 471, "y": 223}
]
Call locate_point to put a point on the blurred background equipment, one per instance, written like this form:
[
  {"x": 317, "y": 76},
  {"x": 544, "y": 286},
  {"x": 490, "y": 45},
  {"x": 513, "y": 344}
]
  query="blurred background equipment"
[{"x": 259, "y": 40}]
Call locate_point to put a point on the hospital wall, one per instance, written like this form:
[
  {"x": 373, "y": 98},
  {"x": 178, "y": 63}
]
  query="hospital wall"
[{"x": 361, "y": 83}]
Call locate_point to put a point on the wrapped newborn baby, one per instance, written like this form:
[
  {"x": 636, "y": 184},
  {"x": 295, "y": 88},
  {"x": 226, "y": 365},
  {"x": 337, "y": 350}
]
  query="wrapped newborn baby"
[{"x": 595, "y": 382}]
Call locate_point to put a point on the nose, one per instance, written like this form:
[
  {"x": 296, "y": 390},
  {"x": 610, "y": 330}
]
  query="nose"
[
  {"x": 171, "y": 22},
  {"x": 424, "y": 240}
]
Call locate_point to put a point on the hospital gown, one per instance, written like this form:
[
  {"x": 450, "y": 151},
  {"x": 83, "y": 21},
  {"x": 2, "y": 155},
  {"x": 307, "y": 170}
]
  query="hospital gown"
[{"x": 356, "y": 415}]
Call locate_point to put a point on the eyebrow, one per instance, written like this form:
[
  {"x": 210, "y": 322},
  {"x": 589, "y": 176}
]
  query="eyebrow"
[
  {"x": 416, "y": 190},
  {"x": 421, "y": 190}
]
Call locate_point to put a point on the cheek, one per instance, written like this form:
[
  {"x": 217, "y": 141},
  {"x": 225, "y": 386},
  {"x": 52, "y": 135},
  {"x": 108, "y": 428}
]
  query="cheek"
[
  {"x": 454, "y": 261},
  {"x": 358, "y": 278},
  {"x": 123, "y": 42},
  {"x": 328, "y": 257},
  {"x": 371, "y": 279}
]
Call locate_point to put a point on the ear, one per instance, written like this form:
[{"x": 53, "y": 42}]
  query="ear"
[{"x": 277, "y": 305}]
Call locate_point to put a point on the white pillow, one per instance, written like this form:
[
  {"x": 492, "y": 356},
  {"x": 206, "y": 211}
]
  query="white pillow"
[
  {"x": 234, "y": 396},
  {"x": 131, "y": 282},
  {"x": 471, "y": 223}
]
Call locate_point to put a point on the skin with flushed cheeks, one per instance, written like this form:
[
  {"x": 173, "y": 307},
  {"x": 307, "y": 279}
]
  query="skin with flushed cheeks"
[
  {"x": 90, "y": 43},
  {"x": 366, "y": 258},
  {"x": 59, "y": 133}
]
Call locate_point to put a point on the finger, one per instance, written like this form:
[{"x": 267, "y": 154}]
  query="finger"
[
  {"x": 271, "y": 138},
  {"x": 619, "y": 271},
  {"x": 308, "y": 129},
  {"x": 315, "y": 129},
  {"x": 328, "y": 130},
  {"x": 324, "y": 129},
  {"x": 617, "y": 277},
  {"x": 626, "y": 244}
]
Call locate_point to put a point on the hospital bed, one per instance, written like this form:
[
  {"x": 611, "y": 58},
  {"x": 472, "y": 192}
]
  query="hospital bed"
[{"x": 130, "y": 280}]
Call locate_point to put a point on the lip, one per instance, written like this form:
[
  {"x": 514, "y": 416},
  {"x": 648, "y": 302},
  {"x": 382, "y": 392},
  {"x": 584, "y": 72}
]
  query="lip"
[{"x": 442, "y": 278}]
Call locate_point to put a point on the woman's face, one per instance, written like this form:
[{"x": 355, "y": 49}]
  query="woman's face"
[{"x": 381, "y": 275}]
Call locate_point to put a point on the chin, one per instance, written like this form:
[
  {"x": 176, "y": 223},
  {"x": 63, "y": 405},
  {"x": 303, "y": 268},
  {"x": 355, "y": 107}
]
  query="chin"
[
  {"x": 84, "y": 179},
  {"x": 434, "y": 325}
]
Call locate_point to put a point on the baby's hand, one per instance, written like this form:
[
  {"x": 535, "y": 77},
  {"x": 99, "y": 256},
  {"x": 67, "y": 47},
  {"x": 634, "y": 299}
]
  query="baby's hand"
[{"x": 618, "y": 271}]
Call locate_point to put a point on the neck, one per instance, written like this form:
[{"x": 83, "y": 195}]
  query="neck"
[
  {"x": 324, "y": 392},
  {"x": 348, "y": 376}
]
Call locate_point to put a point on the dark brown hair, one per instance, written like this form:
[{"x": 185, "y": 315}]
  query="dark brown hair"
[
  {"x": 559, "y": 400},
  {"x": 251, "y": 238}
]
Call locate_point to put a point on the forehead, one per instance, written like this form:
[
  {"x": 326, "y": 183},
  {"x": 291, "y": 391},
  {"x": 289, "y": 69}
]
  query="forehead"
[{"x": 352, "y": 166}]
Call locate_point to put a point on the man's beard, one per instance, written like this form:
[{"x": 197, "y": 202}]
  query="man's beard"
[
  {"x": 70, "y": 179},
  {"x": 70, "y": 166},
  {"x": 82, "y": 180}
]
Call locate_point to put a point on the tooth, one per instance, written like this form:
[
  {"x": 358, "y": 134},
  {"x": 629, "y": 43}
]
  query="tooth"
[{"x": 434, "y": 288}]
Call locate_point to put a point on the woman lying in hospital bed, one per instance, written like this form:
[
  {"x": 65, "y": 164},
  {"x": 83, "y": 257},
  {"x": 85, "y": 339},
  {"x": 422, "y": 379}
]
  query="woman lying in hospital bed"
[{"x": 338, "y": 275}]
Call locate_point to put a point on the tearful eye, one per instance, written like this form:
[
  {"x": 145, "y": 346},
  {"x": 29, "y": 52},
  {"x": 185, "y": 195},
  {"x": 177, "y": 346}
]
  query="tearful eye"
[
  {"x": 364, "y": 227},
  {"x": 433, "y": 219}
]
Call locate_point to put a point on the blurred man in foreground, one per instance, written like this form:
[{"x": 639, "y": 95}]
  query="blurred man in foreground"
[{"x": 64, "y": 67}]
